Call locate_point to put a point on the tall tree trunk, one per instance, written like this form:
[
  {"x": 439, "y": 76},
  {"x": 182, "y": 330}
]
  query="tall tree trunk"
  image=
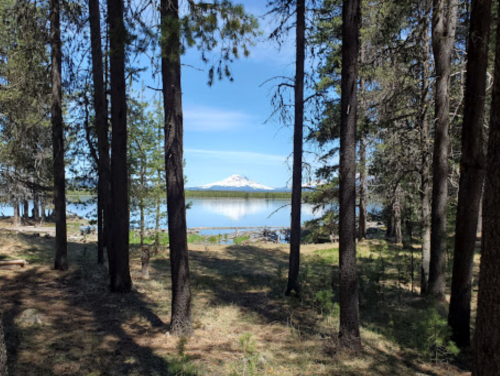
[
  {"x": 348, "y": 290},
  {"x": 26, "y": 208},
  {"x": 363, "y": 183},
  {"x": 3, "y": 351},
  {"x": 397, "y": 209},
  {"x": 176, "y": 203},
  {"x": 120, "y": 280},
  {"x": 100, "y": 227},
  {"x": 61, "y": 259},
  {"x": 363, "y": 178},
  {"x": 42, "y": 205},
  {"x": 425, "y": 170},
  {"x": 444, "y": 22},
  {"x": 295, "y": 233},
  {"x": 101, "y": 123},
  {"x": 16, "y": 212},
  {"x": 390, "y": 231},
  {"x": 36, "y": 206},
  {"x": 487, "y": 336},
  {"x": 471, "y": 172},
  {"x": 158, "y": 202}
]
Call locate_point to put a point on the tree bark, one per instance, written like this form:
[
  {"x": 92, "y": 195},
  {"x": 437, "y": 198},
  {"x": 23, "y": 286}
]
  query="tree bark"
[
  {"x": 101, "y": 124},
  {"x": 348, "y": 290},
  {"x": 61, "y": 259},
  {"x": 141, "y": 203},
  {"x": 3, "y": 351},
  {"x": 363, "y": 176},
  {"x": 120, "y": 280},
  {"x": 471, "y": 172},
  {"x": 145, "y": 262},
  {"x": 487, "y": 336},
  {"x": 444, "y": 22},
  {"x": 42, "y": 205},
  {"x": 397, "y": 209},
  {"x": 295, "y": 233},
  {"x": 36, "y": 206},
  {"x": 16, "y": 220},
  {"x": 26, "y": 208},
  {"x": 176, "y": 203},
  {"x": 425, "y": 170},
  {"x": 363, "y": 183}
]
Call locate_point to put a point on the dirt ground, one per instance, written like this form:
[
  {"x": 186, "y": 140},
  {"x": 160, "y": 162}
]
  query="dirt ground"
[{"x": 67, "y": 323}]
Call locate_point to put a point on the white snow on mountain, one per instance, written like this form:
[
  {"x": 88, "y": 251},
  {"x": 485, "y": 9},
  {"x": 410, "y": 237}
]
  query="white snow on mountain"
[{"x": 237, "y": 182}]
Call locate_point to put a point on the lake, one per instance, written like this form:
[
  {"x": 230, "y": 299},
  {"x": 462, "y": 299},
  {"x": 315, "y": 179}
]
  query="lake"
[
  {"x": 212, "y": 212},
  {"x": 223, "y": 212}
]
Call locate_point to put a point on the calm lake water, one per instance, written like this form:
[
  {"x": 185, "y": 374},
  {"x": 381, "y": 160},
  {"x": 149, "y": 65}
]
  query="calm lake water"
[{"x": 212, "y": 212}]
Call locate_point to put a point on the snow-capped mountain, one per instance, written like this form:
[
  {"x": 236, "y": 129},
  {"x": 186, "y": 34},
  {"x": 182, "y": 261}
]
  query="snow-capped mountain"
[{"x": 235, "y": 183}]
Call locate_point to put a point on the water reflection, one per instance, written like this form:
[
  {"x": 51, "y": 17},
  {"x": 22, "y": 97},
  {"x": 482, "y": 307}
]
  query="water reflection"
[{"x": 235, "y": 209}]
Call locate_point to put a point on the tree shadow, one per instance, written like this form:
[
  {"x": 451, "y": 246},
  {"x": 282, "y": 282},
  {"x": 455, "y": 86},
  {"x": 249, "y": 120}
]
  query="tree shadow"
[{"x": 84, "y": 328}]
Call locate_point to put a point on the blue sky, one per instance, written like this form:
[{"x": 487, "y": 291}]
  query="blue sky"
[{"x": 225, "y": 129}]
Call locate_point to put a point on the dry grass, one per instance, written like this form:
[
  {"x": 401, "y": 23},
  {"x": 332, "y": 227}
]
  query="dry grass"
[{"x": 243, "y": 324}]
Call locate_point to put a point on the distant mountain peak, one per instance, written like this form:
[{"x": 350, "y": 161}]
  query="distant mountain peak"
[{"x": 236, "y": 182}]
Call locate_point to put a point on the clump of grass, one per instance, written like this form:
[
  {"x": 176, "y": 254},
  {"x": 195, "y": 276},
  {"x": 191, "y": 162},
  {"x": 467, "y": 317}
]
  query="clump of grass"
[
  {"x": 196, "y": 238},
  {"x": 240, "y": 240},
  {"x": 249, "y": 363}
]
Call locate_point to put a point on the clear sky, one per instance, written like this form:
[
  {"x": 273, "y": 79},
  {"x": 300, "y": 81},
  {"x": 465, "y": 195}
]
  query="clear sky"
[{"x": 225, "y": 129}]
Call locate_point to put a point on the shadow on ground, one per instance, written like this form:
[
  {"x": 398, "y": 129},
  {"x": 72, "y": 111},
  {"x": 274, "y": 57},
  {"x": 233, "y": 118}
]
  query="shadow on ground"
[{"x": 67, "y": 323}]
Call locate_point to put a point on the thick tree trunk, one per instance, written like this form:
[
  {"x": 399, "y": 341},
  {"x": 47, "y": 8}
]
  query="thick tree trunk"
[
  {"x": 444, "y": 21},
  {"x": 471, "y": 172},
  {"x": 3, "y": 351},
  {"x": 348, "y": 290},
  {"x": 294, "y": 265},
  {"x": 487, "y": 336},
  {"x": 101, "y": 123},
  {"x": 36, "y": 206},
  {"x": 120, "y": 280},
  {"x": 61, "y": 259},
  {"x": 16, "y": 221},
  {"x": 176, "y": 203},
  {"x": 425, "y": 170},
  {"x": 42, "y": 205},
  {"x": 425, "y": 212},
  {"x": 100, "y": 228},
  {"x": 26, "y": 208}
]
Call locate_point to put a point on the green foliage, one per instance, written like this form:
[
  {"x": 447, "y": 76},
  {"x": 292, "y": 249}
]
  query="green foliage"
[
  {"x": 324, "y": 301},
  {"x": 25, "y": 98},
  {"x": 219, "y": 26},
  {"x": 250, "y": 359},
  {"x": 181, "y": 364},
  {"x": 240, "y": 240},
  {"x": 196, "y": 238},
  {"x": 135, "y": 238},
  {"x": 430, "y": 335}
]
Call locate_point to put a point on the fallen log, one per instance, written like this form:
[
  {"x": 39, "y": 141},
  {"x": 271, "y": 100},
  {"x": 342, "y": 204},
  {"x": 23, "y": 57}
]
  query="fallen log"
[{"x": 21, "y": 263}]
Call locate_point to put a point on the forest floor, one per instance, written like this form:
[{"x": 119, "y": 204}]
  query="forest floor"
[{"x": 67, "y": 323}]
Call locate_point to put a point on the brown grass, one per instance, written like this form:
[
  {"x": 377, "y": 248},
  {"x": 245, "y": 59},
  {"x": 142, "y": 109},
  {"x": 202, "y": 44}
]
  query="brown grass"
[{"x": 243, "y": 324}]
